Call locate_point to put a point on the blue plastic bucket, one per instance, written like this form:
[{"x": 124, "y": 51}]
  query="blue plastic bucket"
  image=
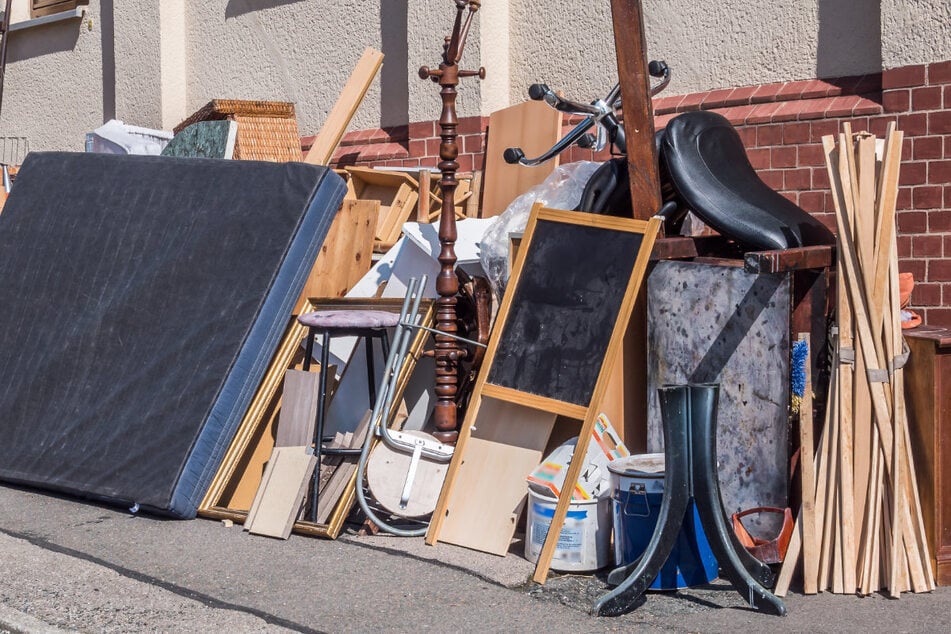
[{"x": 638, "y": 490}]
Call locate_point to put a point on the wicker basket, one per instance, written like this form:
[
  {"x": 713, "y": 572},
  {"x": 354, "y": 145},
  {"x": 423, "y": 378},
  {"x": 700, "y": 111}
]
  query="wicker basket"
[{"x": 267, "y": 130}]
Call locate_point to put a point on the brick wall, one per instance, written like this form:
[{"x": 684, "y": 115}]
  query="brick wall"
[{"x": 782, "y": 126}]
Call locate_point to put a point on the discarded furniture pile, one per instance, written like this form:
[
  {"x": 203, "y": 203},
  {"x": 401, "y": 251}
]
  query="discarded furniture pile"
[{"x": 260, "y": 339}]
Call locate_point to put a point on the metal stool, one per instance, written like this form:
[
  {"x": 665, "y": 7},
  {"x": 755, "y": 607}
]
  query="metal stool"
[{"x": 366, "y": 324}]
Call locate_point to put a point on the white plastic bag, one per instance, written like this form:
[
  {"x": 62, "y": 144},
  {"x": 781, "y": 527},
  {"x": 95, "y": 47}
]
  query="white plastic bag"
[{"x": 561, "y": 190}]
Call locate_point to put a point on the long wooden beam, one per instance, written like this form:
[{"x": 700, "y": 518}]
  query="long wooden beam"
[{"x": 631, "y": 50}]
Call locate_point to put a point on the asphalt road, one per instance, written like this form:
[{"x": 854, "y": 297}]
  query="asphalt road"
[{"x": 66, "y": 565}]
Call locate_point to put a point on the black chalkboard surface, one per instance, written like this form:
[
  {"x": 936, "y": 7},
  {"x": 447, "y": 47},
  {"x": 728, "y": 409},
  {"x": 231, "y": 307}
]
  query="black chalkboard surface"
[{"x": 563, "y": 310}]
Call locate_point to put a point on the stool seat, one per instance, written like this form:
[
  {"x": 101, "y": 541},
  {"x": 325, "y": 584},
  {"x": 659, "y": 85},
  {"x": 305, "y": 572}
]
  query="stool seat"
[{"x": 349, "y": 319}]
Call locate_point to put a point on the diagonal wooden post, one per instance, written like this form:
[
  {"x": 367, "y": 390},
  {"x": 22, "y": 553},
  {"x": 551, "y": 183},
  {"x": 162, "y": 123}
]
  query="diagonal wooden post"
[
  {"x": 638, "y": 111},
  {"x": 627, "y": 392}
]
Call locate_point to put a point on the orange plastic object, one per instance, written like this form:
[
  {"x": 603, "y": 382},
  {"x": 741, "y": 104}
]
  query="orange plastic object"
[{"x": 768, "y": 551}]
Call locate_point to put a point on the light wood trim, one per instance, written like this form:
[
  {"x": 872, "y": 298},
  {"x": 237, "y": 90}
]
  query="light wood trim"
[
  {"x": 807, "y": 471},
  {"x": 846, "y": 525},
  {"x": 534, "y": 401},
  {"x": 346, "y": 106}
]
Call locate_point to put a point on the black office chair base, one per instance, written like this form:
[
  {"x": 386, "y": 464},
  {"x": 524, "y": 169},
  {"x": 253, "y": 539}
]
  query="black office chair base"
[{"x": 689, "y": 414}]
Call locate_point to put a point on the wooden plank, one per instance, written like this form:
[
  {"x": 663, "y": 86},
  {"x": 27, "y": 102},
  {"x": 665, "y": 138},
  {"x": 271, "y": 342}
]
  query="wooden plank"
[
  {"x": 425, "y": 195},
  {"x": 846, "y": 421},
  {"x": 825, "y": 496},
  {"x": 346, "y": 253},
  {"x": 295, "y": 425},
  {"x": 502, "y": 446},
  {"x": 861, "y": 397},
  {"x": 532, "y": 126},
  {"x": 346, "y": 106},
  {"x": 631, "y": 48},
  {"x": 816, "y": 257},
  {"x": 684, "y": 247},
  {"x": 807, "y": 472},
  {"x": 534, "y": 401},
  {"x": 281, "y": 493},
  {"x": 330, "y": 462}
]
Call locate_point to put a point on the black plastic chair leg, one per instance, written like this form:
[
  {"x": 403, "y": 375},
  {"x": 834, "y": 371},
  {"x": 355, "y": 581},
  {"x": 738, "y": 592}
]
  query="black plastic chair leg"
[
  {"x": 703, "y": 423},
  {"x": 632, "y": 580}
]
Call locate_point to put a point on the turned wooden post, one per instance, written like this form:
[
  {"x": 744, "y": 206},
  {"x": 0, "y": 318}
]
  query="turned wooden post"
[{"x": 448, "y": 353}]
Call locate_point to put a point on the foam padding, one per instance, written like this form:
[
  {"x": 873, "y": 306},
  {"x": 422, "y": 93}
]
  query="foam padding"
[{"x": 142, "y": 299}]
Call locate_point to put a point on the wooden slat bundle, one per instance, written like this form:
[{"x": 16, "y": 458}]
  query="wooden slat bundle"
[{"x": 867, "y": 522}]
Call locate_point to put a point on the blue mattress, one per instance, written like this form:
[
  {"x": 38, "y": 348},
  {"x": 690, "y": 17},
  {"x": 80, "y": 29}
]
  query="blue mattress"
[{"x": 142, "y": 300}]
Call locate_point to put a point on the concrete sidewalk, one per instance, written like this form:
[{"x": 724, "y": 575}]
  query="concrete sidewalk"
[{"x": 68, "y": 565}]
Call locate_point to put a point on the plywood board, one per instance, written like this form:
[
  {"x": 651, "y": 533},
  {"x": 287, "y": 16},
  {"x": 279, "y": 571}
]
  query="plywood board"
[
  {"x": 532, "y": 126},
  {"x": 507, "y": 442},
  {"x": 295, "y": 427},
  {"x": 281, "y": 493},
  {"x": 347, "y": 252}
]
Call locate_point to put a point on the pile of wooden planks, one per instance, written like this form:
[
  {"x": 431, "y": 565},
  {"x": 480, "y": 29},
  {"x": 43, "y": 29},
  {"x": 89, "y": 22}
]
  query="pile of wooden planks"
[{"x": 861, "y": 528}]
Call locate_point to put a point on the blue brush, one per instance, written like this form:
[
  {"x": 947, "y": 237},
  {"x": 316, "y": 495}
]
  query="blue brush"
[{"x": 797, "y": 372}]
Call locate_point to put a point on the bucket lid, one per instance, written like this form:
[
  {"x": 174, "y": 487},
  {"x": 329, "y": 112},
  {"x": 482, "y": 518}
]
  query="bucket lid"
[{"x": 645, "y": 464}]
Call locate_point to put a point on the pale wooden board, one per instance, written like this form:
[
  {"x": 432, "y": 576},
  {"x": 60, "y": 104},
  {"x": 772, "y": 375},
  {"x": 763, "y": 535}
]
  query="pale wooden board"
[
  {"x": 281, "y": 492},
  {"x": 295, "y": 426},
  {"x": 810, "y": 545},
  {"x": 347, "y": 251},
  {"x": 507, "y": 442},
  {"x": 346, "y": 106},
  {"x": 532, "y": 126}
]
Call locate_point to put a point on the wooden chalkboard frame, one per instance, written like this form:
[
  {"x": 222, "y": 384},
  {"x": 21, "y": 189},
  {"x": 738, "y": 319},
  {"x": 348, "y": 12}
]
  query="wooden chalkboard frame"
[{"x": 449, "y": 496}]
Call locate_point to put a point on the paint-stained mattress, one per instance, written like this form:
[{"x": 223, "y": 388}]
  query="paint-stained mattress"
[{"x": 141, "y": 299}]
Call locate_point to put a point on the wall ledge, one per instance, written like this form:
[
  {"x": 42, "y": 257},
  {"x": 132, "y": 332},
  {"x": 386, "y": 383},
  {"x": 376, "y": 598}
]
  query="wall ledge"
[{"x": 69, "y": 14}]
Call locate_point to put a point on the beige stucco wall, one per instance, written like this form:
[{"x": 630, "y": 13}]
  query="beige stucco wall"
[
  {"x": 915, "y": 32},
  {"x": 152, "y": 63},
  {"x": 707, "y": 44},
  {"x": 53, "y": 89},
  {"x": 304, "y": 52}
]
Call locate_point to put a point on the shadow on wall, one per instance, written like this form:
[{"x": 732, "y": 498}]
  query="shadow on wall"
[
  {"x": 107, "y": 17},
  {"x": 850, "y": 38},
  {"x": 394, "y": 75},
  {"x": 240, "y": 7},
  {"x": 42, "y": 40}
]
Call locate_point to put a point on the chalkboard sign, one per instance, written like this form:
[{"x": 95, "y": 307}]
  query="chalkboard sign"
[
  {"x": 564, "y": 314},
  {"x": 565, "y": 303}
]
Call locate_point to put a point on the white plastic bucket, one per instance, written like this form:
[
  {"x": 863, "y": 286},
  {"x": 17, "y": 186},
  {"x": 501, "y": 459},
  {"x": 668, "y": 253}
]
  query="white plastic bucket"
[{"x": 585, "y": 541}]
